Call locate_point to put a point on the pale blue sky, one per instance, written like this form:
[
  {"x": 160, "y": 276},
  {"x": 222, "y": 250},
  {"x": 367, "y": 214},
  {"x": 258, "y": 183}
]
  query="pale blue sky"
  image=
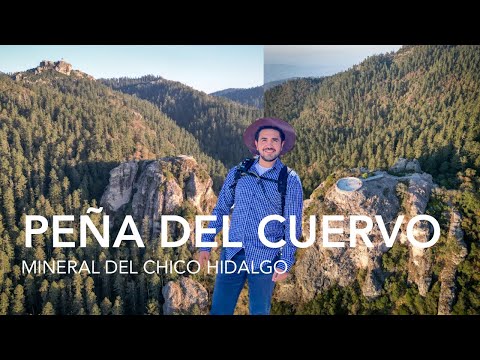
[
  {"x": 308, "y": 55},
  {"x": 204, "y": 67},
  {"x": 316, "y": 60}
]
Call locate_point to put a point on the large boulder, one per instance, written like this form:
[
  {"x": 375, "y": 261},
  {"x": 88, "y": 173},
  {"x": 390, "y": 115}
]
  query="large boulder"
[
  {"x": 184, "y": 297},
  {"x": 405, "y": 165}
]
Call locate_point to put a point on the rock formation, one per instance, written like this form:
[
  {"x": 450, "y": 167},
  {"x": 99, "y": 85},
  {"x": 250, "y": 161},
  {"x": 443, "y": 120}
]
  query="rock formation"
[
  {"x": 447, "y": 275},
  {"x": 406, "y": 166},
  {"x": 185, "y": 296},
  {"x": 60, "y": 66},
  {"x": 166, "y": 186},
  {"x": 149, "y": 189},
  {"x": 383, "y": 194}
]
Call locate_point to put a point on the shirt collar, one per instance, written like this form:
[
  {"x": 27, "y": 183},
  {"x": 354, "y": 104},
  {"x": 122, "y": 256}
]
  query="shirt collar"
[{"x": 277, "y": 166}]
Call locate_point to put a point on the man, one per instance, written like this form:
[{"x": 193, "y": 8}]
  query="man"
[{"x": 254, "y": 197}]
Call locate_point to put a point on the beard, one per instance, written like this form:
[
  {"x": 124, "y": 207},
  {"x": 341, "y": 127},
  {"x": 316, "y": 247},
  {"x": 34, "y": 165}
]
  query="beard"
[{"x": 270, "y": 157}]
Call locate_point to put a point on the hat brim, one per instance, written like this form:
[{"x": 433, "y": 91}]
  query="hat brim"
[{"x": 288, "y": 130}]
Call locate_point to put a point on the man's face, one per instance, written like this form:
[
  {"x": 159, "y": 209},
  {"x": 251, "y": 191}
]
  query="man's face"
[{"x": 269, "y": 144}]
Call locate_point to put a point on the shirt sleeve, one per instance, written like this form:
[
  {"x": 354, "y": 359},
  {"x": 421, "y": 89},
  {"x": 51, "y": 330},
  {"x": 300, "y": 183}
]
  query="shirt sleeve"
[
  {"x": 293, "y": 206},
  {"x": 224, "y": 204}
]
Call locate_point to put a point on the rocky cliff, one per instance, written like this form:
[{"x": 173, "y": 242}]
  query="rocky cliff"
[
  {"x": 403, "y": 190},
  {"x": 185, "y": 296},
  {"x": 148, "y": 189},
  {"x": 60, "y": 66},
  {"x": 454, "y": 258}
]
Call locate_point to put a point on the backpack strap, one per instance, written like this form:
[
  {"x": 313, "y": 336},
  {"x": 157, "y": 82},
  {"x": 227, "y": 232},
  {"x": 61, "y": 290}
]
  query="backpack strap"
[
  {"x": 282, "y": 184},
  {"x": 242, "y": 169}
]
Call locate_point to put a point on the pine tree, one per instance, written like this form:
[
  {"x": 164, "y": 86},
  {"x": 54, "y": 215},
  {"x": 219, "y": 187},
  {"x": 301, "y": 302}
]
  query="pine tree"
[
  {"x": 44, "y": 291},
  {"x": 117, "y": 306},
  {"x": 106, "y": 306},
  {"x": 77, "y": 306},
  {"x": 95, "y": 310},
  {"x": 90, "y": 295},
  {"x": 4, "y": 303},
  {"x": 48, "y": 309},
  {"x": 54, "y": 294},
  {"x": 153, "y": 307},
  {"x": 18, "y": 307},
  {"x": 30, "y": 294}
]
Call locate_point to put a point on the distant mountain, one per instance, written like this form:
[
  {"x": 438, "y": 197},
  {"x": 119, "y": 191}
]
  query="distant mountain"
[
  {"x": 251, "y": 96},
  {"x": 216, "y": 122},
  {"x": 271, "y": 84},
  {"x": 277, "y": 72}
]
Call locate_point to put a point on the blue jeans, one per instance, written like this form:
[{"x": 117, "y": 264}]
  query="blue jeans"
[{"x": 228, "y": 286}]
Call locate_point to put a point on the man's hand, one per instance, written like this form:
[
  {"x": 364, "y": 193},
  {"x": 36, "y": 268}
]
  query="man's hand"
[
  {"x": 278, "y": 276},
  {"x": 203, "y": 257}
]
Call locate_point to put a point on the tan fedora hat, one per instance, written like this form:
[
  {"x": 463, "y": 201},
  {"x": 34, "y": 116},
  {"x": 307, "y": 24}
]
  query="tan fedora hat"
[{"x": 288, "y": 130}]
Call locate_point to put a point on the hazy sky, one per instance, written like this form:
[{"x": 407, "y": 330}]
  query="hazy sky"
[
  {"x": 331, "y": 58},
  {"x": 207, "y": 68}
]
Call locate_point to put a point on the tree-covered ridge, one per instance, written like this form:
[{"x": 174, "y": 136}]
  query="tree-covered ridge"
[
  {"x": 59, "y": 138},
  {"x": 217, "y": 123},
  {"x": 251, "y": 96},
  {"x": 420, "y": 102},
  {"x": 286, "y": 100}
]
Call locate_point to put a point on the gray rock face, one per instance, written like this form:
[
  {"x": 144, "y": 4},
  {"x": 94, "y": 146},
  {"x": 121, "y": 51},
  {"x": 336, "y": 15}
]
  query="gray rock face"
[
  {"x": 404, "y": 165},
  {"x": 166, "y": 186},
  {"x": 413, "y": 166},
  {"x": 419, "y": 268},
  {"x": 120, "y": 187},
  {"x": 63, "y": 67},
  {"x": 447, "y": 276},
  {"x": 60, "y": 66},
  {"x": 322, "y": 267},
  {"x": 159, "y": 187},
  {"x": 419, "y": 189},
  {"x": 184, "y": 296}
]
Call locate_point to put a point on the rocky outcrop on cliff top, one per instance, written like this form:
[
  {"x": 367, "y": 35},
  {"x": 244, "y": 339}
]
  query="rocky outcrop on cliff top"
[
  {"x": 149, "y": 189},
  {"x": 60, "y": 66},
  {"x": 385, "y": 194}
]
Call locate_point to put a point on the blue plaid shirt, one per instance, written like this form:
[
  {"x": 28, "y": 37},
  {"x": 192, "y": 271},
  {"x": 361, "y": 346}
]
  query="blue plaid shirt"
[{"x": 252, "y": 204}]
